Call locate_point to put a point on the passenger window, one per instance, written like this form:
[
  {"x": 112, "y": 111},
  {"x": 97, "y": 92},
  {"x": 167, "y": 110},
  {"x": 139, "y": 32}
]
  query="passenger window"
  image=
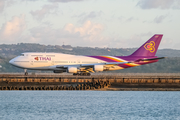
[{"x": 21, "y": 54}]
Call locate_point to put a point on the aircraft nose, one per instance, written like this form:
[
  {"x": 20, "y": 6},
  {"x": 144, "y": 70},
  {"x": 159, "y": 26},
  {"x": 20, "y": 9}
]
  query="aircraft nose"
[
  {"x": 11, "y": 61},
  {"x": 15, "y": 62}
]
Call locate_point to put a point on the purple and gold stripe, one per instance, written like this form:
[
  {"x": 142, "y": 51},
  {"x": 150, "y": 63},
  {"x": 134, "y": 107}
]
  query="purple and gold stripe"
[{"x": 115, "y": 59}]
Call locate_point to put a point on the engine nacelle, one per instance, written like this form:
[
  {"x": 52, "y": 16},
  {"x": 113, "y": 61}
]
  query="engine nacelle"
[
  {"x": 58, "y": 71},
  {"x": 98, "y": 68},
  {"x": 72, "y": 70}
]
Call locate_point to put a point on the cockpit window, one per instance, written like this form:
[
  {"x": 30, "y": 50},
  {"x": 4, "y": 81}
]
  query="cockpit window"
[{"x": 21, "y": 54}]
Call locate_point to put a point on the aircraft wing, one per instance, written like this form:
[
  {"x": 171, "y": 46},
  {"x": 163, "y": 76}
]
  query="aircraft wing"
[
  {"x": 106, "y": 63},
  {"x": 91, "y": 65}
]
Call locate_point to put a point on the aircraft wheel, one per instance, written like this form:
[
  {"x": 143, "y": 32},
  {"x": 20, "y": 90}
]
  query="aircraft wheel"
[
  {"x": 84, "y": 74},
  {"x": 75, "y": 74}
]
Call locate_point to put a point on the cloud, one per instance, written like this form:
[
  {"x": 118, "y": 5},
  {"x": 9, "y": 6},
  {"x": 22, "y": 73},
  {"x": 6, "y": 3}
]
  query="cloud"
[
  {"x": 162, "y": 4},
  {"x": 88, "y": 30},
  {"x": 46, "y": 9},
  {"x": 130, "y": 19},
  {"x": 29, "y": 0},
  {"x": 88, "y": 34},
  {"x": 64, "y": 1},
  {"x": 93, "y": 14},
  {"x": 88, "y": 16},
  {"x": 168, "y": 42},
  {"x": 12, "y": 30},
  {"x": 159, "y": 19},
  {"x": 2, "y": 4}
]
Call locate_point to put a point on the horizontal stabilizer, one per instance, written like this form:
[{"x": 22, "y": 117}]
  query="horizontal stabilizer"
[
  {"x": 154, "y": 59},
  {"x": 149, "y": 59}
]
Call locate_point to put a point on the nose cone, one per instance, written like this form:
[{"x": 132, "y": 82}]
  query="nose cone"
[
  {"x": 11, "y": 61},
  {"x": 16, "y": 62}
]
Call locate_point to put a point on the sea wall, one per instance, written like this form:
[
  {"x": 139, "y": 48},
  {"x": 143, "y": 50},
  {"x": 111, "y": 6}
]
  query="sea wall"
[{"x": 96, "y": 81}]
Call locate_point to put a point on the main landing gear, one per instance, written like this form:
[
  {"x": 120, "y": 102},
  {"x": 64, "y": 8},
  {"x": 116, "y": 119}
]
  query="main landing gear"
[
  {"x": 82, "y": 74},
  {"x": 25, "y": 72}
]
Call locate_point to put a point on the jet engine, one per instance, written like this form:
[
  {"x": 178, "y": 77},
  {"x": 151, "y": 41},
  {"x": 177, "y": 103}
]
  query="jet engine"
[
  {"x": 98, "y": 68},
  {"x": 72, "y": 70}
]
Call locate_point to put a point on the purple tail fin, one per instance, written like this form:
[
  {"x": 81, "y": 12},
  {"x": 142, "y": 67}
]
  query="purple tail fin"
[{"x": 150, "y": 47}]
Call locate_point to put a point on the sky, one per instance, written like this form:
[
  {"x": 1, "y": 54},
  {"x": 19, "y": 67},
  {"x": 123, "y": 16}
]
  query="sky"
[{"x": 90, "y": 23}]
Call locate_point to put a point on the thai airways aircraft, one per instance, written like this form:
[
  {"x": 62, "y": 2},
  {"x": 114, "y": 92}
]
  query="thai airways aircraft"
[{"x": 84, "y": 65}]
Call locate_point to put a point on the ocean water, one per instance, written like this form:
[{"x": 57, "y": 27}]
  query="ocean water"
[{"x": 89, "y": 105}]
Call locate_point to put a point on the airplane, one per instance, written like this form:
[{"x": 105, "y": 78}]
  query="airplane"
[{"x": 84, "y": 65}]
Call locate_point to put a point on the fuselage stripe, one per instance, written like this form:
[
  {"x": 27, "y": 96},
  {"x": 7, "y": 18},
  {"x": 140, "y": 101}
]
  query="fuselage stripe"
[{"x": 114, "y": 59}]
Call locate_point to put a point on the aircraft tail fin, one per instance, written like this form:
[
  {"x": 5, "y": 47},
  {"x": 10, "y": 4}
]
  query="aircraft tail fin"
[{"x": 150, "y": 47}]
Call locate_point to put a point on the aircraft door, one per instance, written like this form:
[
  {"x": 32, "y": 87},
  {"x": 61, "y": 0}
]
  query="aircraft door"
[
  {"x": 32, "y": 61},
  {"x": 52, "y": 61}
]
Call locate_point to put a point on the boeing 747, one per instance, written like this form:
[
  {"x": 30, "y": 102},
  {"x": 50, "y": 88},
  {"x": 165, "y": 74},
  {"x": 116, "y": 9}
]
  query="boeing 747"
[{"x": 84, "y": 65}]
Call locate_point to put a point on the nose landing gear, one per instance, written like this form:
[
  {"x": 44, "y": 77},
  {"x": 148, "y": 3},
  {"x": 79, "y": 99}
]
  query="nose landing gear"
[{"x": 25, "y": 72}]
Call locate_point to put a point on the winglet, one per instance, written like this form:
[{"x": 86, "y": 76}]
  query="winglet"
[{"x": 150, "y": 47}]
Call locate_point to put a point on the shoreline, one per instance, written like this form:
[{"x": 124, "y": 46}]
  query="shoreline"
[{"x": 139, "y": 89}]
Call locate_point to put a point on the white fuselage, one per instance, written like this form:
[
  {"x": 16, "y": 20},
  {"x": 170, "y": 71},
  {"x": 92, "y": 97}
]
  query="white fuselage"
[{"x": 49, "y": 61}]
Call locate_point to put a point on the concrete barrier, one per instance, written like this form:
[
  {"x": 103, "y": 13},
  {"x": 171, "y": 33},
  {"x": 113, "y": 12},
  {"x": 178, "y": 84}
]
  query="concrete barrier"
[
  {"x": 156, "y": 80},
  {"x": 87, "y": 82},
  {"x": 177, "y": 81}
]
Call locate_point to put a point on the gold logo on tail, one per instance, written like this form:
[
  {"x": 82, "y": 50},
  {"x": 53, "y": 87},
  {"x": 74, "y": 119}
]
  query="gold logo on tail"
[{"x": 150, "y": 46}]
